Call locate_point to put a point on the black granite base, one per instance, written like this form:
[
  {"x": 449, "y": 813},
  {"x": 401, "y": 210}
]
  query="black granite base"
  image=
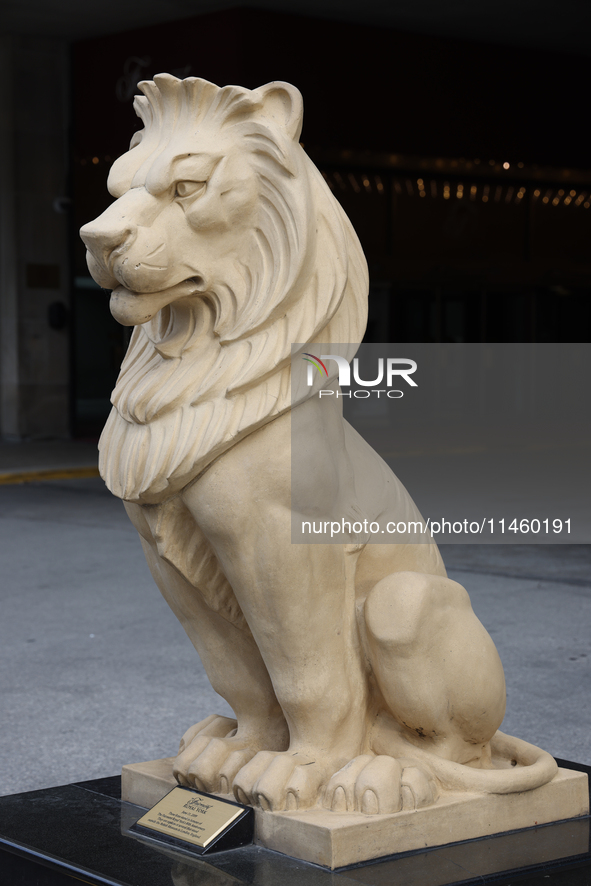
[{"x": 79, "y": 833}]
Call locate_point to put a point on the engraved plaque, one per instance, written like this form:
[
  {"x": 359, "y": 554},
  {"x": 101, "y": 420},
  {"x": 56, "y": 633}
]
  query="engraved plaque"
[{"x": 185, "y": 816}]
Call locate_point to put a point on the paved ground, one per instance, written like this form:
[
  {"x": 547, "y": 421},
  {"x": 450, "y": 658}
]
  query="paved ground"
[{"x": 95, "y": 671}]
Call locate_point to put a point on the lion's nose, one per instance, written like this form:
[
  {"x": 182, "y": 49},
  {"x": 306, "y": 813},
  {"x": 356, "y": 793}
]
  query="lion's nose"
[{"x": 102, "y": 239}]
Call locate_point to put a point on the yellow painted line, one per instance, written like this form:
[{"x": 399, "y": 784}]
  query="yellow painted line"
[
  {"x": 51, "y": 474},
  {"x": 80, "y": 880},
  {"x": 71, "y": 876}
]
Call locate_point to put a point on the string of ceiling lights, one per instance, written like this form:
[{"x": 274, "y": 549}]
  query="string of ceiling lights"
[{"x": 437, "y": 188}]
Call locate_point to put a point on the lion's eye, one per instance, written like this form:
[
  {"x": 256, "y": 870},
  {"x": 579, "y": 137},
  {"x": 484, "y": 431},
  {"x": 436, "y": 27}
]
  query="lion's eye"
[
  {"x": 189, "y": 189},
  {"x": 136, "y": 139}
]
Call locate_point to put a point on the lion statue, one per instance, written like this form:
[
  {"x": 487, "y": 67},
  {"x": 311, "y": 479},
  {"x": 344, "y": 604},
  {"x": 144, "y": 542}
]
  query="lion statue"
[{"x": 359, "y": 675}]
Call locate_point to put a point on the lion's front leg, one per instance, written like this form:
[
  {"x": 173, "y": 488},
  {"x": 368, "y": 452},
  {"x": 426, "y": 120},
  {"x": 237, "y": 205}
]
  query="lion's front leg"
[
  {"x": 213, "y": 751},
  {"x": 298, "y": 602},
  {"x": 317, "y": 671}
]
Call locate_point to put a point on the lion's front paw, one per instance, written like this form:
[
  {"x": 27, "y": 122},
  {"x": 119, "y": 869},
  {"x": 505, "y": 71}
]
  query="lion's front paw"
[
  {"x": 211, "y": 754},
  {"x": 380, "y": 784},
  {"x": 214, "y": 726},
  {"x": 278, "y": 782}
]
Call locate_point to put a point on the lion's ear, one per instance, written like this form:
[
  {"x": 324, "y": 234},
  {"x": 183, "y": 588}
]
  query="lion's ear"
[{"x": 283, "y": 105}]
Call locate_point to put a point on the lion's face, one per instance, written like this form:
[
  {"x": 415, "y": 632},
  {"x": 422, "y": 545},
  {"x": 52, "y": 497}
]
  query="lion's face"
[
  {"x": 191, "y": 206},
  {"x": 171, "y": 230}
]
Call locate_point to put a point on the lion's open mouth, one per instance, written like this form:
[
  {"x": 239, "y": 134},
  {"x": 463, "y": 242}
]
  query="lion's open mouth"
[{"x": 134, "y": 308}]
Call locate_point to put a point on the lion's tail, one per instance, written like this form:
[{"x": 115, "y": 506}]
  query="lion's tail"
[{"x": 523, "y": 767}]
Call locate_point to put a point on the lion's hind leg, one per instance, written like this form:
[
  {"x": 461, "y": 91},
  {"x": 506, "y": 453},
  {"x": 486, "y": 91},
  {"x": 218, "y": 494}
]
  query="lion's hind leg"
[
  {"x": 438, "y": 672},
  {"x": 441, "y": 694}
]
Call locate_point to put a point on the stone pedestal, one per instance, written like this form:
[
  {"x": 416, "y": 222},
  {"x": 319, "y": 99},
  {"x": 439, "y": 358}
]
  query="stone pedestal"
[{"x": 336, "y": 840}]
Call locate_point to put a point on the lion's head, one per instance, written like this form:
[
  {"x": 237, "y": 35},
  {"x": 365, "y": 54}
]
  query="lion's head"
[{"x": 223, "y": 247}]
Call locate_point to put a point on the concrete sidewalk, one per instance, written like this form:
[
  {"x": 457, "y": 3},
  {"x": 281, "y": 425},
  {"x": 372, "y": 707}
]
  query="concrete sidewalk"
[{"x": 95, "y": 670}]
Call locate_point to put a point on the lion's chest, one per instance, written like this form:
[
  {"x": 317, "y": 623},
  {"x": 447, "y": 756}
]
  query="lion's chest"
[{"x": 171, "y": 530}]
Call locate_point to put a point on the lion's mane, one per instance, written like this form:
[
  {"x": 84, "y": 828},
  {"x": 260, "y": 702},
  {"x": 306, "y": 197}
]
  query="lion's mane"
[{"x": 207, "y": 371}]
